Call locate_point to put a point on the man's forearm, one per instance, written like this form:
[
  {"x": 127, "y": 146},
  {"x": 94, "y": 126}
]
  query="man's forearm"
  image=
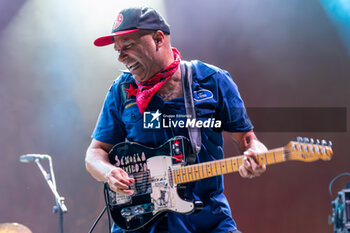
[{"x": 97, "y": 163}]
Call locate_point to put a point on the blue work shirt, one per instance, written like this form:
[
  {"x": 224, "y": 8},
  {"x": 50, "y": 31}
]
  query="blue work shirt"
[{"x": 215, "y": 96}]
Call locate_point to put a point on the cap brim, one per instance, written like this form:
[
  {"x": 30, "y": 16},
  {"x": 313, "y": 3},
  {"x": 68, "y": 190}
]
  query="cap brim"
[{"x": 108, "y": 39}]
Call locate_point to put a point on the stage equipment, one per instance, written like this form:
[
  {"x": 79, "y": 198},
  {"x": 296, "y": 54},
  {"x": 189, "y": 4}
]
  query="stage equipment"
[
  {"x": 14, "y": 228},
  {"x": 60, "y": 207},
  {"x": 341, "y": 208}
]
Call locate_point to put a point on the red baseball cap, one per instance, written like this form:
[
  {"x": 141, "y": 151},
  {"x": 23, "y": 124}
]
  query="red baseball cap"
[{"x": 133, "y": 19}]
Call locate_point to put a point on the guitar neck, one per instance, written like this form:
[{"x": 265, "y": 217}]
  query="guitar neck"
[{"x": 200, "y": 171}]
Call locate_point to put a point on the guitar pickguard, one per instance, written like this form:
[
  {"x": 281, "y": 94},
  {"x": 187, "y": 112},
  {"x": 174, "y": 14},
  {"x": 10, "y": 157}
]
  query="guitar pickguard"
[{"x": 164, "y": 194}]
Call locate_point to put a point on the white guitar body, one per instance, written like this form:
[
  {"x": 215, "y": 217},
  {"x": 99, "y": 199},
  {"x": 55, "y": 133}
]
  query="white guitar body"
[{"x": 164, "y": 194}]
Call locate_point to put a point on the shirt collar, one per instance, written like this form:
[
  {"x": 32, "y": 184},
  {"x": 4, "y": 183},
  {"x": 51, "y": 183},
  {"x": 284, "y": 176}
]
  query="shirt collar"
[{"x": 203, "y": 70}]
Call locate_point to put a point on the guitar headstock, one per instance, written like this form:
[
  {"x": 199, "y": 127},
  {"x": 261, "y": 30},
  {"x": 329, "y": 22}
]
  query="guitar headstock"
[{"x": 308, "y": 150}]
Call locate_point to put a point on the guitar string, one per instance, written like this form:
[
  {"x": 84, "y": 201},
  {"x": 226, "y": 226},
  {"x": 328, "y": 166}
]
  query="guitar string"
[
  {"x": 212, "y": 163},
  {"x": 145, "y": 180},
  {"x": 181, "y": 171},
  {"x": 146, "y": 175}
]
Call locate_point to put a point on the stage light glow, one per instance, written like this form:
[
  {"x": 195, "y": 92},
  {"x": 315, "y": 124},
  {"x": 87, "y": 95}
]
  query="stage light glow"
[
  {"x": 48, "y": 47},
  {"x": 339, "y": 12}
]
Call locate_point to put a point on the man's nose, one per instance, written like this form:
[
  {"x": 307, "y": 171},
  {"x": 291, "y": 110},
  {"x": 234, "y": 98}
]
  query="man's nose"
[{"x": 121, "y": 56}]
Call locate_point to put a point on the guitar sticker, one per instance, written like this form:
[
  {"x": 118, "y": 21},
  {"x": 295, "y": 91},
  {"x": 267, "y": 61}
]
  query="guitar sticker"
[{"x": 177, "y": 153}]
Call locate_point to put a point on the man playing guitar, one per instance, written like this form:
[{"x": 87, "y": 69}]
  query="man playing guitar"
[{"x": 153, "y": 82}]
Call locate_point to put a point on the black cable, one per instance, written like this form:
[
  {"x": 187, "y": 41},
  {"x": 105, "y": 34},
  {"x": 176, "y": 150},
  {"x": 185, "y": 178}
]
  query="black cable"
[
  {"x": 105, "y": 195},
  {"x": 98, "y": 219},
  {"x": 334, "y": 179},
  {"x": 107, "y": 203}
]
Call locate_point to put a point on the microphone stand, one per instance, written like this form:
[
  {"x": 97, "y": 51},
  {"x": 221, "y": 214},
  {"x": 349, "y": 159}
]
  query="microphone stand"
[{"x": 60, "y": 207}]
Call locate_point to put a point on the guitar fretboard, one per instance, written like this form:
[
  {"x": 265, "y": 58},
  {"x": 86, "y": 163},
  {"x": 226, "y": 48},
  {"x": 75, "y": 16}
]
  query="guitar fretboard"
[{"x": 223, "y": 166}]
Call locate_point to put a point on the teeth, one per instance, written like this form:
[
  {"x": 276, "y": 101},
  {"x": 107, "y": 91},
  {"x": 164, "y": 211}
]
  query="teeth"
[{"x": 131, "y": 66}]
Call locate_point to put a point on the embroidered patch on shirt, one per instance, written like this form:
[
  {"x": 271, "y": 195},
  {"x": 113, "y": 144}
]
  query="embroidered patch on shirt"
[
  {"x": 129, "y": 105},
  {"x": 202, "y": 95}
]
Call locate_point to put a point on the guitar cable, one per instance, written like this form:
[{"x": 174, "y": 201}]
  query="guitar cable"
[
  {"x": 103, "y": 211},
  {"x": 105, "y": 191},
  {"x": 98, "y": 219},
  {"x": 334, "y": 179}
]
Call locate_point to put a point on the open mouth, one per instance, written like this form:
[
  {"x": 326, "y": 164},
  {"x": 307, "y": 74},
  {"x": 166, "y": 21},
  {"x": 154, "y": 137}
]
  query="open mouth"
[{"x": 133, "y": 66}]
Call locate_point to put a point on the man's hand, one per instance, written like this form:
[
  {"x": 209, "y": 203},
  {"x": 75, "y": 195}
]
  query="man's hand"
[
  {"x": 98, "y": 165},
  {"x": 250, "y": 167},
  {"x": 119, "y": 181},
  {"x": 250, "y": 147}
]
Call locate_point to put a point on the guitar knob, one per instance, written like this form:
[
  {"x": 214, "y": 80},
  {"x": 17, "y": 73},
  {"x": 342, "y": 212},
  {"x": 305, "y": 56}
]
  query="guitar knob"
[
  {"x": 126, "y": 212},
  {"x": 330, "y": 144},
  {"x": 317, "y": 141},
  {"x": 139, "y": 209},
  {"x": 306, "y": 140},
  {"x": 324, "y": 143},
  {"x": 299, "y": 139},
  {"x": 312, "y": 141}
]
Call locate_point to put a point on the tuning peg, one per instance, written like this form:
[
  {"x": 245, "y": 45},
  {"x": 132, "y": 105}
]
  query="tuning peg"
[
  {"x": 299, "y": 147},
  {"x": 299, "y": 139},
  {"x": 324, "y": 143},
  {"x": 317, "y": 149},
  {"x": 330, "y": 144},
  {"x": 312, "y": 149},
  {"x": 317, "y": 141},
  {"x": 312, "y": 141},
  {"x": 306, "y": 140}
]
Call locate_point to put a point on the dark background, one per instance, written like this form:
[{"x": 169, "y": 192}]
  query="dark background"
[{"x": 53, "y": 82}]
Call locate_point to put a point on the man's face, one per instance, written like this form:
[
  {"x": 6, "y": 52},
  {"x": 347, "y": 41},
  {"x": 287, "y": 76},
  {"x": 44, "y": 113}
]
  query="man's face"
[{"x": 138, "y": 52}]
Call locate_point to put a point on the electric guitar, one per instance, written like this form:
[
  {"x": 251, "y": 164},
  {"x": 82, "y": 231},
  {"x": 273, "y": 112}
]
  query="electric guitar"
[{"x": 160, "y": 175}]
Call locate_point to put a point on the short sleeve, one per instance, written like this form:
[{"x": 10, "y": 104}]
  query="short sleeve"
[
  {"x": 232, "y": 111},
  {"x": 109, "y": 127}
]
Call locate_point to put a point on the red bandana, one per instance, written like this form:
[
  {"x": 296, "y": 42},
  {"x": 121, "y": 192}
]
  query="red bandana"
[{"x": 148, "y": 88}]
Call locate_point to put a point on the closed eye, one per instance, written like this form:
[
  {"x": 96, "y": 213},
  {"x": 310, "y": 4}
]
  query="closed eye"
[{"x": 128, "y": 46}]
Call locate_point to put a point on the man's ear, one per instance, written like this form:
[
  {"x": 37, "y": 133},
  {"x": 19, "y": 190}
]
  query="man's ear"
[{"x": 158, "y": 38}]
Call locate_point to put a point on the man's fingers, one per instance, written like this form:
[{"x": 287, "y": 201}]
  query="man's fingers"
[
  {"x": 119, "y": 187},
  {"x": 250, "y": 168},
  {"x": 250, "y": 165},
  {"x": 247, "y": 164},
  {"x": 253, "y": 164},
  {"x": 119, "y": 181},
  {"x": 127, "y": 178},
  {"x": 245, "y": 169},
  {"x": 261, "y": 169},
  {"x": 121, "y": 175},
  {"x": 242, "y": 171},
  {"x": 122, "y": 191}
]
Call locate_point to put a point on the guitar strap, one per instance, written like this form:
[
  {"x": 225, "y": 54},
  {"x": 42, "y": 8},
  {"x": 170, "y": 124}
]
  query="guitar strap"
[{"x": 193, "y": 132}]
